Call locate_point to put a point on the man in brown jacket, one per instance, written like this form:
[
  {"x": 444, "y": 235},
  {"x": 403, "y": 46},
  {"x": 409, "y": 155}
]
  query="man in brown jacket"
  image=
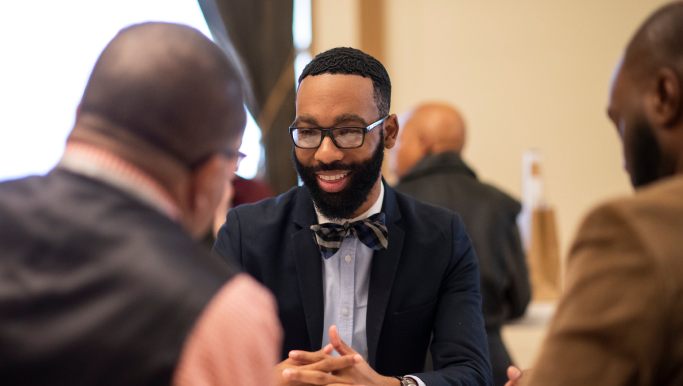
[{"x": 620, "y": 321}]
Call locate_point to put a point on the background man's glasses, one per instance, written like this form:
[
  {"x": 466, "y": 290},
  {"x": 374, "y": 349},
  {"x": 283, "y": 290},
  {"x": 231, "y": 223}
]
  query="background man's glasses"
[
  {"x": 231, "y": 155},
  {"x": 347, "y": 137}
]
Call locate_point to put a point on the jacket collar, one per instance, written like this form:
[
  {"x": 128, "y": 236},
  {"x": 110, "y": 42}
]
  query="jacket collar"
[
  {"x": 382, "y": 273},
  {"x": 303, "y": 213},
  {"x": 448, "y": 162},
  {"x": 100, "y": 164}
]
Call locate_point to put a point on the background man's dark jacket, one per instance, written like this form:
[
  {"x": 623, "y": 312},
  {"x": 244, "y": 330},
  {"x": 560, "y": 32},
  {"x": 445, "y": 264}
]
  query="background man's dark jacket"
[
  {"x": 489, "y": 216},
  {"x": 95, "y": 287},
  {"x": 426, "y": 281}
]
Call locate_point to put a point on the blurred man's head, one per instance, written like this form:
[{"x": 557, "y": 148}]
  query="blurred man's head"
[
  {"x": 646, "y": 98},
  {"x": 431, "y": 128},
  {"x": 343, "y": 88},
  {"x": 165, "y": 98}
]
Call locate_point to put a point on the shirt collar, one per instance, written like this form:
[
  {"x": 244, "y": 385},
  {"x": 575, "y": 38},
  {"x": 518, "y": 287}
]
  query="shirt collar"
[
  {"x": 100, "y": 164},
  {"x": 375, "y": 208}
]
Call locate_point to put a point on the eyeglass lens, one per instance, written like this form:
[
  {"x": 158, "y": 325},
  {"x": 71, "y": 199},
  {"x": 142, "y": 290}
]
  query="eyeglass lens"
[{"x": 345, "y": 137}]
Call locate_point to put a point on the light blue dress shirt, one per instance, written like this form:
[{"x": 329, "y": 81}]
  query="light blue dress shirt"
[{"x": 346, "y": 283}]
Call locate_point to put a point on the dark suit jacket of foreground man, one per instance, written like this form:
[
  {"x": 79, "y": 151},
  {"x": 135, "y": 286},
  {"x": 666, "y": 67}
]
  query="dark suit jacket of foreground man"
[
  {"x": 620, "y": 321},
  {"x": 426, "y": 281},
  {"x": 489, "y": 214},
  {"x": 96, "y": 287}
]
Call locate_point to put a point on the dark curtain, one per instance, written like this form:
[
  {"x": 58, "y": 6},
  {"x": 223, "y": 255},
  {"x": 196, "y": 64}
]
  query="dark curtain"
[{"x": 258, "y": 34}]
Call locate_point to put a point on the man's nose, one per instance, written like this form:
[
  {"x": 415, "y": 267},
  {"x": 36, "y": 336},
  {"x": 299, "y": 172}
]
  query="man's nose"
[{"x": 328, "y": 152}]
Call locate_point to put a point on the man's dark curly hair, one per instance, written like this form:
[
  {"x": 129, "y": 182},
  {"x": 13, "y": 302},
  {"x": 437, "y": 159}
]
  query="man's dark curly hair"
[{"x": 350, "y": 61}]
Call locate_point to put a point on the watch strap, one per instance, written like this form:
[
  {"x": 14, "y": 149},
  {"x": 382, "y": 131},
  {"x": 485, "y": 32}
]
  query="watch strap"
[{"x": 405, "y": 381}]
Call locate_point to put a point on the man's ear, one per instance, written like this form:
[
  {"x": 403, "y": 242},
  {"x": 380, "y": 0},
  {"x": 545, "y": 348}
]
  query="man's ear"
[
  {"x": 426, "y": 144},
  {"x": 663, "y": 100},
  {"x": 205, "y": 190},
  {"x": 390, "y": 131}
]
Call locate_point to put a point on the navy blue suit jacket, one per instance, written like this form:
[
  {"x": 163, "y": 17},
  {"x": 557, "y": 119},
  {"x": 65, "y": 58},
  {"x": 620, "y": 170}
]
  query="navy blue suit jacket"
[{"x": 427, "y": 281}]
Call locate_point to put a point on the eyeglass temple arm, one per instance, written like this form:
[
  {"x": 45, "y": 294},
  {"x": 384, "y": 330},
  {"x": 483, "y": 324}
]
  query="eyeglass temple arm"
[{"x": 372, "y": 126}]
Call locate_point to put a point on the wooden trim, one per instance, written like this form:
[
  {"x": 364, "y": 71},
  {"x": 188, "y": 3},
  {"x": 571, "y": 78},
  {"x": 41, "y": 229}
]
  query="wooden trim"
[
  {"x": 277, "y": 96},
  {"x": 372, "y": 28}
]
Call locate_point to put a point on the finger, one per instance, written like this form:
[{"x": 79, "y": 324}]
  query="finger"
[
  {"x": 311, "y": 377},
  {"x": 342, "y": 384},
  {"x": 511, "y": 383},
  {"x": 514, "y": 373},
  {"x": 307, "y": 357},
  {"x": 330, "y": 364},
  {"x": 338, "y": 343}
]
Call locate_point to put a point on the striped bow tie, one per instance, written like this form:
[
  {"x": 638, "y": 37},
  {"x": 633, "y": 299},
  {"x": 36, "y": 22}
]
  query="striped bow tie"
[{"x": 371, "y": 232}]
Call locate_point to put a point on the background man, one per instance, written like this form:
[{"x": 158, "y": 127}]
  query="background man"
[
  {"x": 409, "y": 272},
  {"x": 431, "y": 170},
  {"x": 620, "y": 321},
  {"x": 100, "y": 280}
]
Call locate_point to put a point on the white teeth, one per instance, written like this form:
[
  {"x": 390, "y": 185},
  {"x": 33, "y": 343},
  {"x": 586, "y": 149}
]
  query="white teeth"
[{"x": 332, "y": 178}]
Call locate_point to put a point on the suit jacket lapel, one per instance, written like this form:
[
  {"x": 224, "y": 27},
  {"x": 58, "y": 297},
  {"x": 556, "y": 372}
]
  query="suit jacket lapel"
[
  {"x": 309, "y": 268},
  {"x": 383, "y": 271}
]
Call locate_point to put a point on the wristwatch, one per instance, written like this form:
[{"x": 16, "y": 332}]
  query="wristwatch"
[{"x": 405, "y": 381}]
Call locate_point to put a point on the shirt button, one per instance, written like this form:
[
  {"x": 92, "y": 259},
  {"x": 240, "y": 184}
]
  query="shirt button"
[
  {"x": 347, "y": 258},
  {"x": 345, "y": 311}
]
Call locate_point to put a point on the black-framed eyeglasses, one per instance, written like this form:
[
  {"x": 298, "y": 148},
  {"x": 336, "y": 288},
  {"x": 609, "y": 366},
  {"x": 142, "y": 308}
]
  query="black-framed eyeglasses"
[
  {"x": 231, "y": 154},
  {"x": 347, "y": 137}
]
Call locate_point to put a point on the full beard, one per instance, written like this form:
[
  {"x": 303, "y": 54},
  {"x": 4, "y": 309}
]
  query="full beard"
[
  {"x": 343, "y": 204},
  {"x": 647, "y": 161}
]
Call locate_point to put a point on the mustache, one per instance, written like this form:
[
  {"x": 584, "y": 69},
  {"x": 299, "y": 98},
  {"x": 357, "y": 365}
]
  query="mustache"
[{"x": 336, "y": 165}]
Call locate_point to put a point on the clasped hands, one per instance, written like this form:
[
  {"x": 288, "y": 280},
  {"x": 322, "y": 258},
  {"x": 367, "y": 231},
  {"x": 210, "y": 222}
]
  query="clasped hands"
[
  {"x": 515, "y": 376},
  {"x": 321, "y": 368}
]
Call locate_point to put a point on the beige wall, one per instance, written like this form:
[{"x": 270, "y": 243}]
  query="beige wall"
[
  {"x": 526, "y": 74},
  {"x": 336, "y": 23}
]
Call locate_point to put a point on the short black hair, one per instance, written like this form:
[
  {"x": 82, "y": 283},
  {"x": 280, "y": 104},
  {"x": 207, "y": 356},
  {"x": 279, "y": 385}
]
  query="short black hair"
[
  {"x": 657, "y": 43},
  {"x": 350, "y": 61}
]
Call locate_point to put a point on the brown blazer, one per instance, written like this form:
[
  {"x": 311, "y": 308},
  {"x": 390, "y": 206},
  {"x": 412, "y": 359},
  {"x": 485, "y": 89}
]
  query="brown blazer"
[{"x": 620, "y": 320}]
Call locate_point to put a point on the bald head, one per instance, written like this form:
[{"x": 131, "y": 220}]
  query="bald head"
[
  {"x": 657, "y": 43},
  {"x": 440, "y": 126},
  {"x": 430, "y": 129},
  {"x": 646, "y": 99},
  {"x": 170, "y": 86}
]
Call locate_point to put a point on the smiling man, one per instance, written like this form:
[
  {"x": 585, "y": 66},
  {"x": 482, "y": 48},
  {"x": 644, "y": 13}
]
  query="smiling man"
[{"x": 355, "y": 266}]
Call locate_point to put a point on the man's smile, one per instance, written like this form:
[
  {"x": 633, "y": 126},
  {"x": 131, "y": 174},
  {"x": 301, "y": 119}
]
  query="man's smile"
[{"x": 333, "y": 181}]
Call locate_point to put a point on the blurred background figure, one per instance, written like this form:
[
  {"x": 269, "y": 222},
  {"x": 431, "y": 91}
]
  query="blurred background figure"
[
  {"x": 101, "y": 280},
  {"x": 431, "y": 169},
  {"x": 248, "y": 191}
]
